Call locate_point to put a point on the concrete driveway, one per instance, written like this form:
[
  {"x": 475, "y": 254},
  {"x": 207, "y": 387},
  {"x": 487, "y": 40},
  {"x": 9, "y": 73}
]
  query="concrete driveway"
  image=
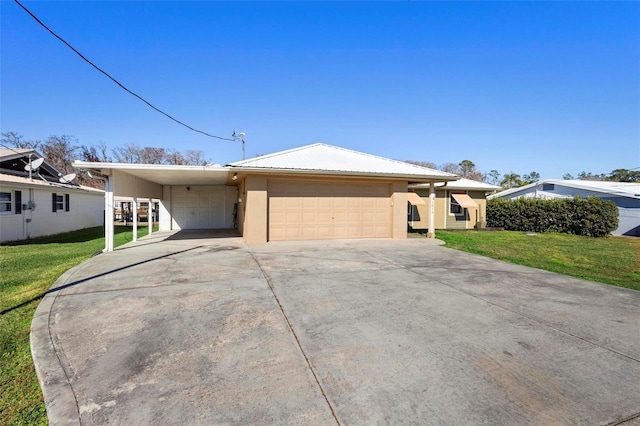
[{"x": 177, "y": 329}]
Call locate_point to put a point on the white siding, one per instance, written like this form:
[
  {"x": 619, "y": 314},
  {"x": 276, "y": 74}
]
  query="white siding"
[{"x": 86, "y": 210}]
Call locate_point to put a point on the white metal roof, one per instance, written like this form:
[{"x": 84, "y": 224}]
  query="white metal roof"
[
  {"x": 163, "y": 174},
  {"x": 621, "y": 189},
  {"x": 323, "y": 158},
  {"x": 463, "y": 183}
]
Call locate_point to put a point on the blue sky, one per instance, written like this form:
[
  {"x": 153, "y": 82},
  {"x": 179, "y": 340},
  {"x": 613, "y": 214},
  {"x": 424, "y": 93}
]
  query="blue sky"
[{"x": 513, "y": 86}]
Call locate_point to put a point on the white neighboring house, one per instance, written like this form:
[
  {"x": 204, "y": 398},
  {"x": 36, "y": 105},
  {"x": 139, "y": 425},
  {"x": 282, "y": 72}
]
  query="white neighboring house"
[
  {"x": 626, "y": 195},
  {"x": 41, "y": 204}
]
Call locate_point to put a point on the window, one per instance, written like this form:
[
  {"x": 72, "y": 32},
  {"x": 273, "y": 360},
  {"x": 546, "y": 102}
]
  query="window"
[
  {"x": 548, "y": 186},
  {"x": 5, "y": 202},
  {"x": 454, "y": 207},
  {"x": 59, "y": 202}
]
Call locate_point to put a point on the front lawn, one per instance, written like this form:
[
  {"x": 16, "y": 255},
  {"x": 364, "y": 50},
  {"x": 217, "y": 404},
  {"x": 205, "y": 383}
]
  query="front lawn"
[
  {"x": 610, "y": 260},
  {"x": 28, "y": 269}
]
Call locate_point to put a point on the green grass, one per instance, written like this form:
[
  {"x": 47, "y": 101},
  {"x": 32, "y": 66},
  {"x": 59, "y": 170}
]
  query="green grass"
[
  {"x": 28, "y": 269},
  {"x": 610, "y": 260}
]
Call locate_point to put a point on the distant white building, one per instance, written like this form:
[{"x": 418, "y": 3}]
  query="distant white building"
[
  {"x": 626, "y": 195},
  {"x": 41, "y": 203}
]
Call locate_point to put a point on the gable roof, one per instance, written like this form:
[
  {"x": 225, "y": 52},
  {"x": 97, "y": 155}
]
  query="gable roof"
[
  {"x": 467, "y": 184},
  {"x": 14, "y": 160},
  {"x": 320, "y": 158},
  {"x": 620, "y": 189}
]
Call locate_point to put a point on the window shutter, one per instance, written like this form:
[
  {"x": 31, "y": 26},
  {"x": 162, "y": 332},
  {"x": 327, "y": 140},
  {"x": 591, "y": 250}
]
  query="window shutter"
[
  {"x": 54, "y": 196},
  {"x": 66, "y": 202},
  {"x": 18, "y": 208}
]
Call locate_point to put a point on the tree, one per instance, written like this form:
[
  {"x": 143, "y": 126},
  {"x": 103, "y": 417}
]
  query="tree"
[
  {"x": 194, "y": 157},
  {"x": 450, "y": 168},
  {"x": 510, "y": 180},
  {"x": 427, "y": 164},
  {"x": 530, "y": 178},
  {"x": 567, "y": 176},
  {"x": 467, "y": 168},
  {"x": 14, "y": 139},
  {"x": 590, "y": 176},
  {"x": 494, "y": 177},
  {"x": 624, "y": 175},
  {"x": 60, "y": 152}
]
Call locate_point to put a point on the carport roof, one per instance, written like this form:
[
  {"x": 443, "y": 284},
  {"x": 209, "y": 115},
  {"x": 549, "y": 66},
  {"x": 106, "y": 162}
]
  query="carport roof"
[
  {"x": 321, "y": 158},
  {"x": 163, "y": 174}
]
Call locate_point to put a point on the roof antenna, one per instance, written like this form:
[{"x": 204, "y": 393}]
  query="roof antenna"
[
  {"x": 239, "y": 136},
  {"x": 67, "y": 178}
]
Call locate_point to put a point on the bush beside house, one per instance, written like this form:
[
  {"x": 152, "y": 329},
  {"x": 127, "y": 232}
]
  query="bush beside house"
[{"x": 590, "y": 216}]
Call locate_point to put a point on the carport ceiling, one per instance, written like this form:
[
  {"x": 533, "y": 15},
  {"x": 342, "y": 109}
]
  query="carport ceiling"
[{"x": 199, "y": 176}]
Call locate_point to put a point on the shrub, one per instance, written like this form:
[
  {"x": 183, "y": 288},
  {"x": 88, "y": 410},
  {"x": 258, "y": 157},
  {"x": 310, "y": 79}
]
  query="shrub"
[{"x": 591, "y": 216}]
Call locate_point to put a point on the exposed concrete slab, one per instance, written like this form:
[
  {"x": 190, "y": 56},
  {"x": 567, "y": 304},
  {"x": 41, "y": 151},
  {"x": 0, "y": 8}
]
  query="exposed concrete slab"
[{"x": 183, "y": 329}]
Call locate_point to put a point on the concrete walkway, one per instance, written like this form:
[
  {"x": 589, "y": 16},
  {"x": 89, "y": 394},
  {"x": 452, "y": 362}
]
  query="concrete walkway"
[{"x": 181, "y": 329}]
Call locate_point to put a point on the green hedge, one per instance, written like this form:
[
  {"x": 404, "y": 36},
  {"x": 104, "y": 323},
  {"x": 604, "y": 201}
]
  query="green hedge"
[{"x": 591, "y": 216}]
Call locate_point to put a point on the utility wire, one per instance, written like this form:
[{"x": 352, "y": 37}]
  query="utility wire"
[{"x": 113, "y": 79}]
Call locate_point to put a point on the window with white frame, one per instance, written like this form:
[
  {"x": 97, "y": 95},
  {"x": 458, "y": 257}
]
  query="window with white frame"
[
  {"x": 6, "y": 202},
  {"x": 59, "y": 202}
]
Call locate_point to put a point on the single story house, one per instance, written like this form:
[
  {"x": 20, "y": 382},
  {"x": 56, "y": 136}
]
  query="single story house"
[
  {"x": 626, "y": 195},
  {"x": 460, "y": 204},
  {"x": 35, "y": 200},
  {"x": 316, "y": 191}
]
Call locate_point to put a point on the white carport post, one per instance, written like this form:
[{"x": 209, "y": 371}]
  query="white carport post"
[
  {"x": 431, "y": 233},
  {"x": 150, "y": 216},
  {"x": 108, "y": 214},
  {"x": 135, "y": 218}
]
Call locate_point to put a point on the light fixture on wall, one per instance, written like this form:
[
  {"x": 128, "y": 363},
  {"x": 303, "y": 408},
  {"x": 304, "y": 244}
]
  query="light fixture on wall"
[
  {"x": 234, "y": 177},
  {"x": 188, "y": 188}
]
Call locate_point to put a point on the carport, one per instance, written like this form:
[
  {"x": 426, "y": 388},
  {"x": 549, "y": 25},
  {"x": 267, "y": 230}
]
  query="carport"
[{"x": 313, "y": 192}]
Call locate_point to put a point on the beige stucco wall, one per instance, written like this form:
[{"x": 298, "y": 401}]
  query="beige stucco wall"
[
  {"x": 255, "y": 206},
  {"x": 399, "y": 210},
  {"x": 443, "y": 220},
  {"x": 253, "y": 221},
  {"x": 127, "y": 185}
]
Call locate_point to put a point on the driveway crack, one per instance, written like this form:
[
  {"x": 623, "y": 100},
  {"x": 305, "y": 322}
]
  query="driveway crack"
[{"x": 295, "y": 336}]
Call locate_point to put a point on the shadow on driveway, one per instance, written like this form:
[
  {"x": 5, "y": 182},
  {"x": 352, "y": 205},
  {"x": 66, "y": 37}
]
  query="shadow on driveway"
[{"x": 190, "y": 330}]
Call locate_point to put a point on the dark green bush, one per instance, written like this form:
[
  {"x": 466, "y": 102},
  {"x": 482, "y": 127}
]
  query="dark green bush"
[{"x": 591, "y": 216}]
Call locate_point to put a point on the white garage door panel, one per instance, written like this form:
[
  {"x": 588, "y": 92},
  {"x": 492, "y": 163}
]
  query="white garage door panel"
[
  {"x": 202, "y": 207},
  {"x": 304, "y": 211}
]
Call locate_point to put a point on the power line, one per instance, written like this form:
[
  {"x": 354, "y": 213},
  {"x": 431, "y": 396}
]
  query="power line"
[{"x": 113, "y": 79}]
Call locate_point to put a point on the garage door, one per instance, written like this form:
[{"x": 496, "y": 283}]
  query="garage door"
[
  {"x": 202, "y": 207},
  {"x": 322, "y": 210}
]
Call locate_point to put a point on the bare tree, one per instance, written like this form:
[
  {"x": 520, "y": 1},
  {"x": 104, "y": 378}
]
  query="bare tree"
[
  {"x": 450, "y": 168},
  {"x": 152, "y": 155},
  {"x": 175, "y": 157},
  {"x": 427, "y": 164},
  {"x": 129, "y": 153},
  {"x": 14, "y": 139},
  {"x": 194, "y": 157},
  {"x": 60, "y": 152}
]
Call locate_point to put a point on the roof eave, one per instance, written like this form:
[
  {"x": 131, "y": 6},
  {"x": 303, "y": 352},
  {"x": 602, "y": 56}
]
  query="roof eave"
[{"x": 339, "y": 173}]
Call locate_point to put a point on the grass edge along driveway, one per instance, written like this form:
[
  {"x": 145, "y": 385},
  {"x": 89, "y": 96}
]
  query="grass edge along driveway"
[
  {"x": 609, "y": 260},
  {"x": 29, "y": 268}
]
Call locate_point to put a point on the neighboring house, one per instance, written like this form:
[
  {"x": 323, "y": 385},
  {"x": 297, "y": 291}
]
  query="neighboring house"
[
  {"x": 626, "y": 195},
  {"x": 459, "y": 204},
  {"x": 37, "y": 203},
  {"x": 317, "y": 191}
]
